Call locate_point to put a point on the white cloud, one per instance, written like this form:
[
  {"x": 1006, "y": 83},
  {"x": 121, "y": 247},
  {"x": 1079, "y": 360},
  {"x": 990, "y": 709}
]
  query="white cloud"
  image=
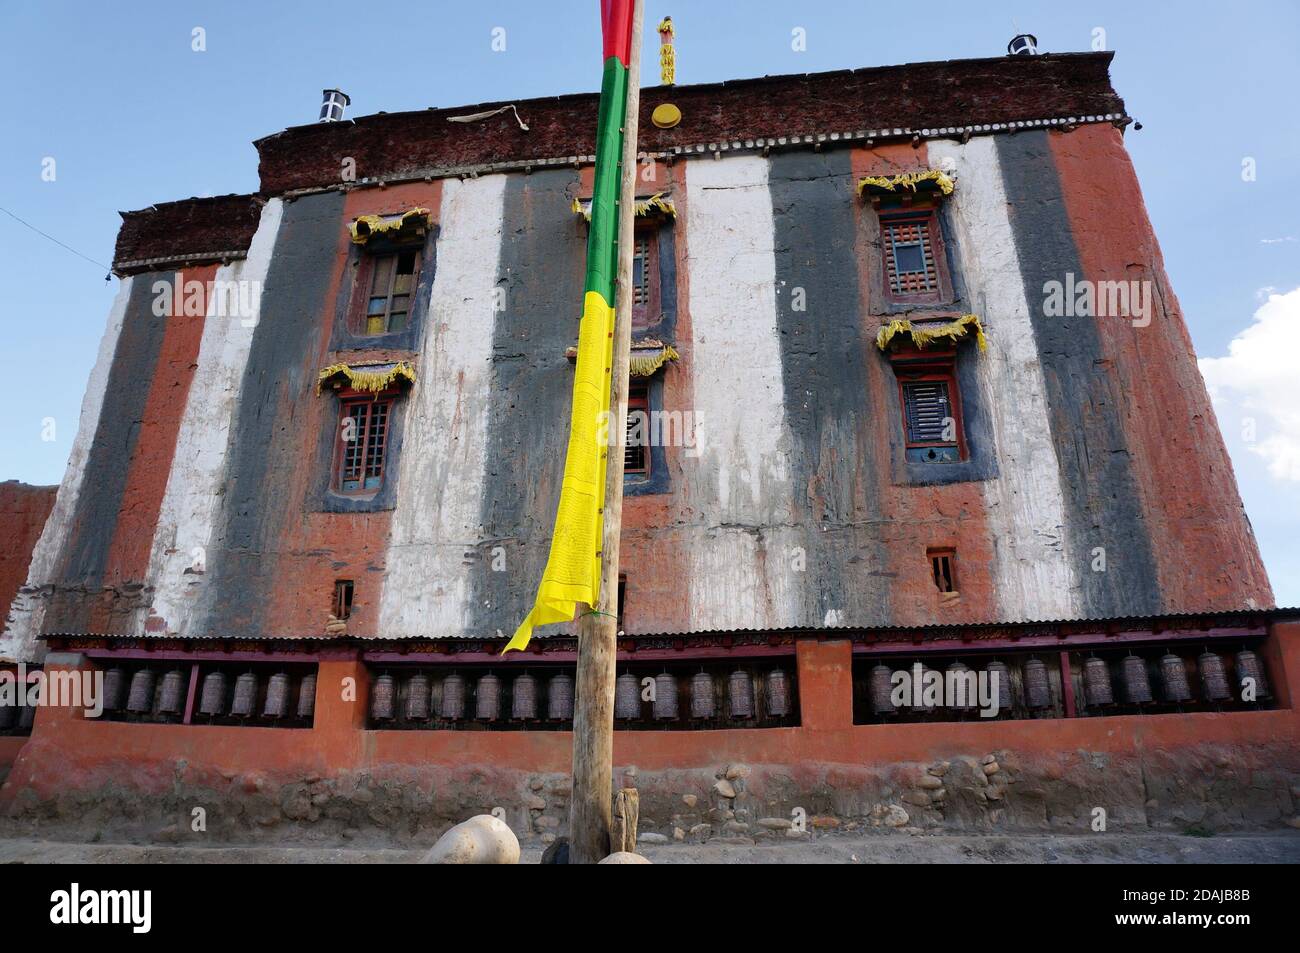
[{"x": 1254, "y": 387}]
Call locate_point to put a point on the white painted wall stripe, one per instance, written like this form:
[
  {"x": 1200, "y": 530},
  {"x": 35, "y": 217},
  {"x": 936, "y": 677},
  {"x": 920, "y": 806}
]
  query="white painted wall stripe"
[
  {"x": 739, "y": 484},
  {"x": 190, "y": 503},
  {"x": 28, "y": 611},
  {"x": 444, "y": 444},
  {"x": 1025, "y": 505}
]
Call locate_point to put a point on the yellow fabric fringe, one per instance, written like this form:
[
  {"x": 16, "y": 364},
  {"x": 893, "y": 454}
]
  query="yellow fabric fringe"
[
  {"x": 644, "y": 207},
  {"x": 925, "y": 336},
  {"x": 372, "y": 382},
  {"x": 907, "y": 180},
  {"x": 643, "y": 365},
  {"x": 666, "y": 26},
  {"x": 378, "y": 224},
  {"x": 667, "y": 66}
]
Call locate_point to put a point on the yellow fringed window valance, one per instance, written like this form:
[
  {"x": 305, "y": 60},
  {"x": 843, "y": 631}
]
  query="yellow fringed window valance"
[
  {"x": 645, "y": 359},
  {"x": 908, "y": 181},
  {"x": 923, "y": 336},
  {"x": 655, "y": 204},
  {"x": 367, "y": 227},
  {"x": 370, "y": 378}
]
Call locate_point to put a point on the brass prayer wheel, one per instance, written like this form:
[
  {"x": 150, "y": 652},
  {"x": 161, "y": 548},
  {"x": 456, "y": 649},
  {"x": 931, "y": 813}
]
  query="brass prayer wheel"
[
  {"x": 277, "y": 696},
  {"x": 487, "y": 698},
  {"x": 453, "y": 697},
  {"x": 559, "y": 697},
  {"x": 1214, "y": 678},
  {"x": 665, "y": 703},
  {"x": 383, "y": 703},
  {"x": 1137, "y": 682},
  {"x": 627, "y": 703},
  {"x": 968, "y": 689},
  {"x": 1097, "y": 689},
  {"x": 307, "y": 696},
  {"x": 880, "y": 688},
  {"x": 1249, "y": 666},
  {"x": 140, "y": 699},
  {"x": 1003, "y": 678},
  {"x": 703, "y": 702},
  {"x": 114, "y": 688},
  {"x": 244, "y": 704},
  {"x": 212, "y": 698},
  {"x": 778, "y": 693},
  {"x": 523, "y": 698},
  {"x": 740, "y": 694},
  {"x": 417, "y": 697},
  {"x": 171, "y": 697},
  {"x": 1173, "y": 678},
  {"x": 1038, "y": 690}
]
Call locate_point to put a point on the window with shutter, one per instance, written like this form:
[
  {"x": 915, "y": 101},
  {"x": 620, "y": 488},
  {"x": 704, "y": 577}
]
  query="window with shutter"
[
  {"x": 912, "y": 255},
  {"x": 645, "y": 278},
  {"x": 391, "y": 289},
  {"x": 932, "y": 426},
  {"x": 362, "y": 441},
  {"x": 636, "y": 449}
]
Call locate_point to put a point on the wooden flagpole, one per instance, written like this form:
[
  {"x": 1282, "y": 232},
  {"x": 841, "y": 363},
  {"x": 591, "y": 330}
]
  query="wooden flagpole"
[{"x": 593, "y": 714}]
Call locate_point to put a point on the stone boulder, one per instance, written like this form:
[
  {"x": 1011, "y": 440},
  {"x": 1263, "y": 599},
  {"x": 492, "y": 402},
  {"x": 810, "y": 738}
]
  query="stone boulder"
[{"x": 483, "y": 839}]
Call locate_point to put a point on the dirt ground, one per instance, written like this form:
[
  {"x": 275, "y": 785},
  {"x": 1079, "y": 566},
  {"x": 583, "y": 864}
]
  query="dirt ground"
[{"x": 894, "y": 848}]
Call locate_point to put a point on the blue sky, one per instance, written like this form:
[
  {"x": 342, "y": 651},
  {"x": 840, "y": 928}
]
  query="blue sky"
[{"x": 132, "y": 115}]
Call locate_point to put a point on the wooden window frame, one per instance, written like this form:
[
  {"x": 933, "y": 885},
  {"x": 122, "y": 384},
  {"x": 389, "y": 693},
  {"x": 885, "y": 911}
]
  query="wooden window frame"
[
  {"x": 369, "y": 262},
  {"x": 638, "y": 398},
  {"x": 646, "y": 314},
  {"x": 922, "y": 371},
  {"x": 344, "y": 595},
  {"x": 353, "y": 398},
  {"x": 928, "y": 218},
  {"x": 938, "y": 556}
]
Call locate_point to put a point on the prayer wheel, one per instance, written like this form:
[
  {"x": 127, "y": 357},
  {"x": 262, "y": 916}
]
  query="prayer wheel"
[
  {"x": 968, "y": 689},
  {"x": 998, "y": 671},
  {"x": 703, "y": 701},
  {"x": 1097, "y": 689},
  {"x": 778, "y": 693},
  {"x": 114, "y": 688},
  {"x": 665, "y": 703},
  {"x": 1038, "y": 690},
  {"x": 383, "y": 704},
  {"x": 277, "y": 696},
  {"x": 1173, "y": 678},
  {"x": 1137, "y": 683},
  {"x": 1214, "y": 678},
  {"x": 627, "y": 704},
  {"x": 559, "y": 697},
  {"x": 307, "y": 696},
  {"x": 487, "y": 698},
  {"x": 1249, "y": 666},
  {"x": 880, "y": 687},
  {"x": 212, "y": 699},
  {"x": 171, "y": 698},
  {"x": 140, "y": 698},
  {"x": 244, "y": 703},
  {"x": 417, "y": 697},
  {"x": 740, "y": 694},
  {"x": 453, "y": 697},
  {"x": 523, "y": 698}
]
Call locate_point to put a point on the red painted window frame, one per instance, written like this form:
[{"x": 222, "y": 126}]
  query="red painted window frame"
[
  {"x": 366, "y": 276},
  {"x": 928, "y": 217},
  {"x": 932, "y": 367},
  {"x": 638, "y": 398},
  {"x": 347, "y": 399}
]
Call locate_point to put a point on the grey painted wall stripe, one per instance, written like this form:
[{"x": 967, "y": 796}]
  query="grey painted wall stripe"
[
  {"x": 1102, "y": 507},
  {"x": 265, "y": 445},
  {"x": 540, "y": 273},
  {"x": 834, "y": 472}
]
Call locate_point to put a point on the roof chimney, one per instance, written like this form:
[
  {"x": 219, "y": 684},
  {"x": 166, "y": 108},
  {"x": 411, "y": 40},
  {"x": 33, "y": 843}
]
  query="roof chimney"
[
  {"x": 1023, "y": 44},
  {"x": 333, "y": 104}
]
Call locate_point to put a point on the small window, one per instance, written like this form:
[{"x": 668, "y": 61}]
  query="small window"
[
  {"x": 390, "y": 291},
  {"x": 342, "y": 598},
  {"x": 913, "y": 257},
  {"x": 363, "y": 437},
  {"x": 645, "y": 279},
  {"x": 932, "y": 426},
  {"x": 636, "y": 451},
  {"x": 622, "y": 591},
  {"x": 943, "y": 566}
]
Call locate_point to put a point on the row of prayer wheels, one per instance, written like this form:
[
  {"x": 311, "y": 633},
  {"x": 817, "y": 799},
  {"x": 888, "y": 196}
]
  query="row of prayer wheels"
[
  {"x": 1098, "y": 688},
  {"x": 142, "y": 695},
  {"x": 418, "y": 697}
]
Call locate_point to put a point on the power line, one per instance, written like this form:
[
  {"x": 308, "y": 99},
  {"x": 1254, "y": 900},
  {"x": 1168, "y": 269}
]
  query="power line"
[{"x": 53, "y": 239}]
